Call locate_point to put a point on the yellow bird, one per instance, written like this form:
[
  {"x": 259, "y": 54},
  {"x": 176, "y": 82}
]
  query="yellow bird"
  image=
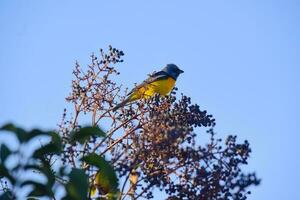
[{"x": 161, "y": 82}]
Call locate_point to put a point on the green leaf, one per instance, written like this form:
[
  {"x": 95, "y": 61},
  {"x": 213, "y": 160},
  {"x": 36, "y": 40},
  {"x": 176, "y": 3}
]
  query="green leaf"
[
  {"x": 77, "y": 187},
  {"x": 7, "y": 196},
  {"x": 20, "y": 133},
  {"x": 46, "y": 170},
  {"x": 113, "y": 196},
  {"x": 32, "y": 167},
  {"x": 24, "y": 136},
  {"x": 54, "y": 147},
  {"x": 55, "y": 138},
  {"x": 4, "y": 152},
  {"x": 4, "y": 173},
  {"x": 49, "y": 173},
  {"x": 85, "y": 133},
  {"x": 106, "y": 178},
  {"x": 48, "y": 149},
  {"x": 38, "y": 189},
  {"x": 36, "y": 132}
]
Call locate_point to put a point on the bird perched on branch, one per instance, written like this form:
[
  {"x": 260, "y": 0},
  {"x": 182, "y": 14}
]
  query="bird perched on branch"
[{"x": 161, "y": 82}]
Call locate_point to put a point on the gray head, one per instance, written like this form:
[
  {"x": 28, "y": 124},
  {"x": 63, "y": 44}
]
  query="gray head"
[{"x": 172, "y": 70}]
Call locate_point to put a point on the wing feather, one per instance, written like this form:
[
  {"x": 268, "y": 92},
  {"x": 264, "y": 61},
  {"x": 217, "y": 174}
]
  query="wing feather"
[{"x": 154, "y": 77}]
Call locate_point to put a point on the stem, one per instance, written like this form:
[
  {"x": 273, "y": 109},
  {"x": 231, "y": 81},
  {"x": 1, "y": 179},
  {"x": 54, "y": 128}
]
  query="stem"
[
  {"x": 111, "y": 132},
  {"x": 120, "y": 139},
  {"x": 123, "y": 187},
  {"x": 138, "y": 196}
]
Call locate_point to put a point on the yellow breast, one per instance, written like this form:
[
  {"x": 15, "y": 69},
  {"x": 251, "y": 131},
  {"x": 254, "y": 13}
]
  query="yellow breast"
[{"x": 162, "y": 87}]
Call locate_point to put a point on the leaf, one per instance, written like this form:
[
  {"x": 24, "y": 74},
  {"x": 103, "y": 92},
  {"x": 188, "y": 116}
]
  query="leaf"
[
  {"x": 106, "y": 178},
  {"x": 4, "y": 152},
  {"x": 85, "y": 133},
  {"x": 113, "y": 196},
  {"x": 77, "y": 187},
  {"x": 38, "y": 189},
  {"x": 93, "y": 190},
  {"x": 24, "y": 136},
  {"x": 46, "y": 170},
  {"x": 20, "y": 133},
  {"x": 48, "y": 149},
  {"x": 54, "y": 147},
  {"x": 55, "y": 138},
  {"x": 4, "y": 173},
  {"x": 32, "y": 167},
  {"x": 7, "y": 196},
  {"x": 36, "y": 132}
]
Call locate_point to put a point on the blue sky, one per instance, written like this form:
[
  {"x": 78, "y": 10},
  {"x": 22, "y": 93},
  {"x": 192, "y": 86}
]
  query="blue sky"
[{"x": 241, "y": 62}]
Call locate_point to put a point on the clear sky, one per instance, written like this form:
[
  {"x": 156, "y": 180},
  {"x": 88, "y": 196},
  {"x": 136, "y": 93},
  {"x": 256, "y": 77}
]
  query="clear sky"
[{"x": 241, "y": 61}]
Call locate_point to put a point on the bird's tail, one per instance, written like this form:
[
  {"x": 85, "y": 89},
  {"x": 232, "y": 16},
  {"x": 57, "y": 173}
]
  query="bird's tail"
[{"x": 123, "y": 103}]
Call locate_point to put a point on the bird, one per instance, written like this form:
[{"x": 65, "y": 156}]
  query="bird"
[{"x": 161, "y": 83}]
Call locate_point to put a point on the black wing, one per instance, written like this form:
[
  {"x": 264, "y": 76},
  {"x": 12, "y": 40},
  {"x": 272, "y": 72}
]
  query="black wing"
[{"x": 154, "y": 77}]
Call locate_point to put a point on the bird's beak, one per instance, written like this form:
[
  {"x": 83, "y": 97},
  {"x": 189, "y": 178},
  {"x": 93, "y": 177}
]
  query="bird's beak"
[{"x": 181, "y": 71}]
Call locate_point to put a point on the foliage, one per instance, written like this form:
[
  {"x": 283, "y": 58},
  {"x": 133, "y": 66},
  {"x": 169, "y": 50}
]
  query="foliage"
[
  {"x": 151, "y": 143},
  {"x": 41, "y": 163}
]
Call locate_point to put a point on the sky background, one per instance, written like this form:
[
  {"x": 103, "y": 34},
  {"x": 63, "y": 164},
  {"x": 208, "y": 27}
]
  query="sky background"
[{"x": 240, "y": 57}]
